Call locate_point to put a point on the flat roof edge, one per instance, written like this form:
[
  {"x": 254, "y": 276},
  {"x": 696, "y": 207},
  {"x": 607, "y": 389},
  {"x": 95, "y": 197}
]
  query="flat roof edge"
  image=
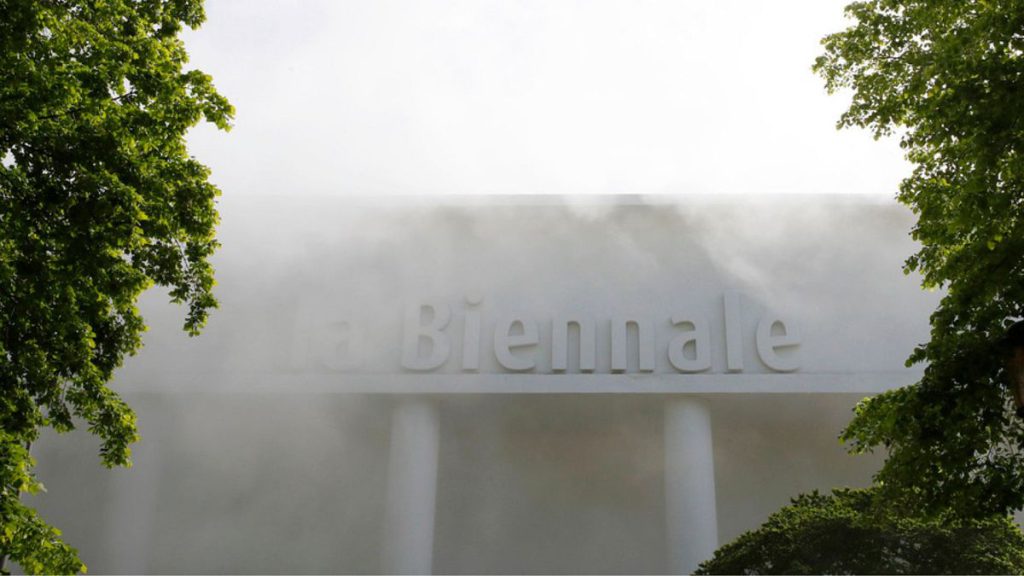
[{"x": 704, "y": 384}]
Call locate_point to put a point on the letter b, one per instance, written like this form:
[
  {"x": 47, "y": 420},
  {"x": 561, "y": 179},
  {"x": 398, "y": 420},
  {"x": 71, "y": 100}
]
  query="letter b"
[{"x": 416, "y": 332}]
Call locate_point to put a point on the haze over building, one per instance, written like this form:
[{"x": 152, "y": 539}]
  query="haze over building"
[{"x": 504, "y": 384}]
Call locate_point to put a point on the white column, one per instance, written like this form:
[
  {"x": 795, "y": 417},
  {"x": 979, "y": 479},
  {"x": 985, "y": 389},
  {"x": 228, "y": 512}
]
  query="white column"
[
  {"x": 689, "y": 485},
  {"x": 412, "y": 488}
]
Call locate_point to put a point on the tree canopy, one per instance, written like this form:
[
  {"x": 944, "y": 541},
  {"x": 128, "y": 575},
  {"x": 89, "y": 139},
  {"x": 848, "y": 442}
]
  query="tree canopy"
[
  {"x": 852, "y": 532},
  {"x": 99, "y": 200},
  {"x": 947, "y": 78}
]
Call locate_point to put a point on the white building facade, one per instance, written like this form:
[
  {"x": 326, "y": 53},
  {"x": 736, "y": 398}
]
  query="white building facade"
[{"x": 473, "y": 385}]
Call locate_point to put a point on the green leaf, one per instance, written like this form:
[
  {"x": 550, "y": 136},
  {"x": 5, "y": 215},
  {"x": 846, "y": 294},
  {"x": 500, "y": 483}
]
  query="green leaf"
[{"x": 100, "y": 201}]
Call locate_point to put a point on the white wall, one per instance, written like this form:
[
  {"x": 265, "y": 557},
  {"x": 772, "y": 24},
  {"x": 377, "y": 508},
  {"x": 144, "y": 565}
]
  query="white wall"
[
  {"x": 252, "y": 460},
  {"x": 290, "y": 271}
]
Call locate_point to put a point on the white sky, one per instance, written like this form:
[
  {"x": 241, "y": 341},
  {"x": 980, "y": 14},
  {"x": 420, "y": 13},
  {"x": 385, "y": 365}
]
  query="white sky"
[{"x": 539, "y": 97}]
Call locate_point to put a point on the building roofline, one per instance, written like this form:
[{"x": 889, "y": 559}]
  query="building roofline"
[{"x": 471, "y": 200}]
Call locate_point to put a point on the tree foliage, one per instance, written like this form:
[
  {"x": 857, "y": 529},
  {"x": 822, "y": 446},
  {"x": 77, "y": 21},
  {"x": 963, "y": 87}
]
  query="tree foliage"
[
  {"x": 850, "y": 532},
  {"x": 99, "y": 200},
  {"x": 947, "y": 78}
]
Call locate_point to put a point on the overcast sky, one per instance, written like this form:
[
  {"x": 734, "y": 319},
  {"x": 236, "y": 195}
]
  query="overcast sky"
[{"x": 539, "y": 97}]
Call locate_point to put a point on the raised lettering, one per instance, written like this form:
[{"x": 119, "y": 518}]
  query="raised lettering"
[
  {"x": 645, "y": 344},
  {"x": 471, "y": 335},
  {"x": 560, "y": 344},
  {"x": 733, "y": 332},
  {"x": 700, "y": 335},
  {"x": 505, "y": 341},
  {"x": 338, "y": 347},
  {"x": 416, "y": 332},
  {"x": 768, "y": 343}
]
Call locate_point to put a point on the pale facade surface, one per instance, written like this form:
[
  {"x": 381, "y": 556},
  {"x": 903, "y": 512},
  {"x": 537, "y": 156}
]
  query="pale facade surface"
[{"x": 498, "y": 385}]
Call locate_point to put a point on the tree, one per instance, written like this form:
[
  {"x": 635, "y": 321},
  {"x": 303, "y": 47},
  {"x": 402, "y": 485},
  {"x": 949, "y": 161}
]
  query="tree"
[
  {"x": 947, "y": 77},
  {"x": 852, "y": 532},
  {"x": 99, "y": 200}
]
